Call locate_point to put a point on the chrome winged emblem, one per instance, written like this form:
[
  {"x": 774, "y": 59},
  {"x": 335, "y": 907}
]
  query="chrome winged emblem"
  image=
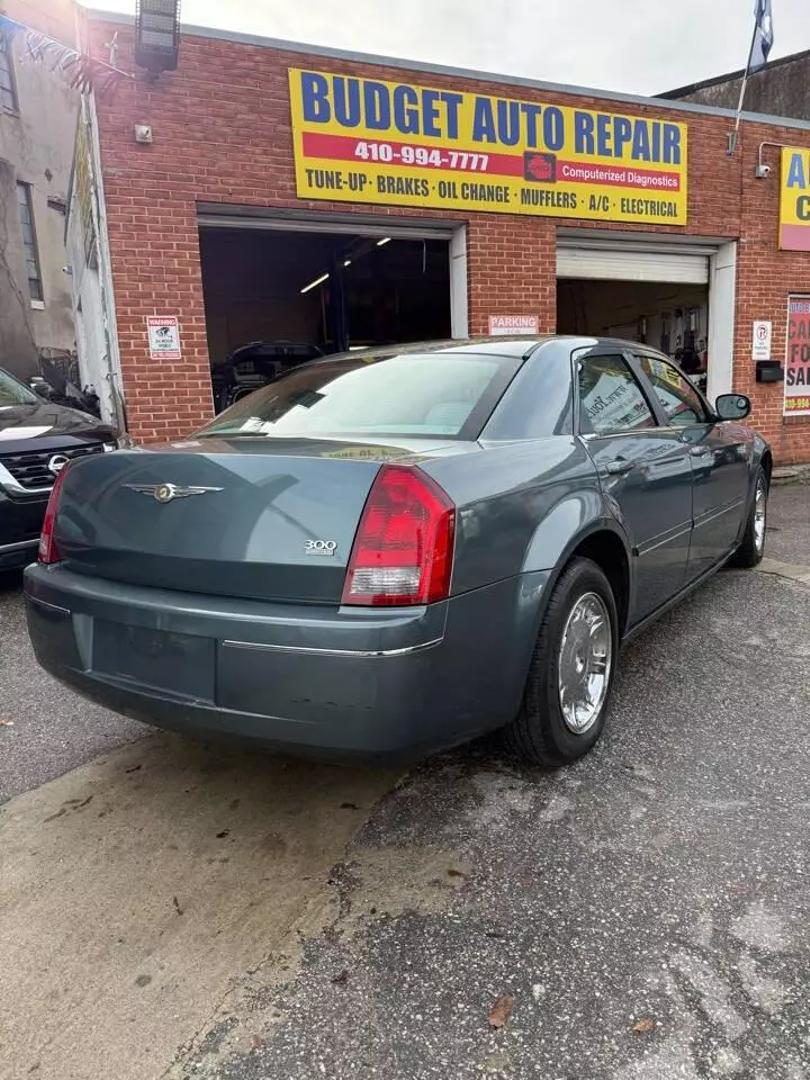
[{"x": 166, "y": 493}]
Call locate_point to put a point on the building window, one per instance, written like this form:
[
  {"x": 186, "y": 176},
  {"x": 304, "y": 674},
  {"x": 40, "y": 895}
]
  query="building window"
[
  {"x": 29, "y": 241},
  {"x": 8, "y": 90}
]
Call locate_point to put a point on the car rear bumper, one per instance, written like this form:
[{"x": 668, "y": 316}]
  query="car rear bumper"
[{"x": 326, "y": 681}]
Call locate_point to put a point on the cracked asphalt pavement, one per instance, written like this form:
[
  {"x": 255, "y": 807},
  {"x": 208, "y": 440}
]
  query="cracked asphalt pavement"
[{"x": 172, "y": 910}]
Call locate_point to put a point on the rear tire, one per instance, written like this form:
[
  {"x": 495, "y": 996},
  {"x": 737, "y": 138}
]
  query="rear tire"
[
  {"x": 566, "y": 699},
  {"x": 752, "y": 546}
]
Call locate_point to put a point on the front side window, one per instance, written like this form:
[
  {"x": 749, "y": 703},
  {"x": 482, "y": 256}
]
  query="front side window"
[
  {"x": 678, "y": 398},
  {"x": 8, "y": 89},
  {"x": 29, "y": 241},
  {"x": 610, "y": 399},
  {"x": 442, "y": 394}
]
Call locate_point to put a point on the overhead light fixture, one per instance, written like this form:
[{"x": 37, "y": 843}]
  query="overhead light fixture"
[
  {"x": 157, "y": 34},
  {"x": 385, "y": 240},
  {"x": 318, "y": 281},
  {"x": 347, "y": 262}
]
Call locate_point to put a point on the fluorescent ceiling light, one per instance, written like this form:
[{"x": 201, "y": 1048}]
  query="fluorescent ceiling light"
[
  {"x": 312, "y": 284},
  {"x": 347, "y": 262},
  {"x": 385, "y": 240}
]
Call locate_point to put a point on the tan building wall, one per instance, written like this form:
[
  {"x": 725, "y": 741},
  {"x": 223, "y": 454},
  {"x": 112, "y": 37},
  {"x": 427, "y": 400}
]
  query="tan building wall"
[{"x": 36, "y": 148}]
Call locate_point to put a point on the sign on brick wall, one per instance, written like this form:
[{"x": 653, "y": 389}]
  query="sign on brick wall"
[
  {"x": 403, "y": 144},
  {"x": 500, "y": 325},
  {"x": 797, "y": 361},
  {"x": 164, "y": 337},
  {"x": 761, "y": 341},
  {"x": 794, "y": 199}
]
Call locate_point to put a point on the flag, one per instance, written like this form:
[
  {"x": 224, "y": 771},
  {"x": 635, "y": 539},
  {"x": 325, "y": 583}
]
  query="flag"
[{"x": 763, "y": 35}]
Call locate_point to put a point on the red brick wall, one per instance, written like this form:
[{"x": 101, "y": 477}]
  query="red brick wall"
[
  {"x": 765, "y": 278},
  {"x": 221, "y": 130}
]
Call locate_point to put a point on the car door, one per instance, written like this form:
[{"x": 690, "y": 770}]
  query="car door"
[
  {"x": 718, "y": 452},
  {"x": 645, "y": 472}
]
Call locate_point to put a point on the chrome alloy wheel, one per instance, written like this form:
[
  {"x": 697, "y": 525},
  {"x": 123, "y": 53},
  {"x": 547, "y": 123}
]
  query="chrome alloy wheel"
[
  {"x": 585, "y": 662},
  {"x": 760, "y": 515}
]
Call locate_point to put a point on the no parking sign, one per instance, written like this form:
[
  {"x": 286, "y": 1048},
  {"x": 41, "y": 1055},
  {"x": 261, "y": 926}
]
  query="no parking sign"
[{"x": 763, "y": 332}]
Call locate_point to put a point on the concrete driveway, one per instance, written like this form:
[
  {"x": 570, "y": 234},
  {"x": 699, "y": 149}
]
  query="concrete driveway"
[{"x": 174, "y": 910}]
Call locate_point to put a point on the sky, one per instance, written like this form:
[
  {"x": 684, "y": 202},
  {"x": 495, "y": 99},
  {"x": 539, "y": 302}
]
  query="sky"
[{"x": 634, "y": 46}]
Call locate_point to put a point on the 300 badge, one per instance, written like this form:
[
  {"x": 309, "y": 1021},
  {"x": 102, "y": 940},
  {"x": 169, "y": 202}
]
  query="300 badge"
[{"x": 320, "y": 547}]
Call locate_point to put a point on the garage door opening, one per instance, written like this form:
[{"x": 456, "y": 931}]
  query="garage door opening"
[
  {"x": 670, "y": 317},
  {"x": 675, "y": 295},
  {"x": 274, "y": 298}
]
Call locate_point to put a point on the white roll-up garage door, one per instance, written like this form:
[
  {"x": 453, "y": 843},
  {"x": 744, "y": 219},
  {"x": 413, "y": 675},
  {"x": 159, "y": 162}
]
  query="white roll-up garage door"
[{"x": 628, "y": 261}]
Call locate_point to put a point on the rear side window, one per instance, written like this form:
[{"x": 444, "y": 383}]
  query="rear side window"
[
  {"x": 610, "y": 399},
  {"x": 678, "y": 398},
  {"x": 540, "y": 400},
  {"x": 448, "y": 395}
]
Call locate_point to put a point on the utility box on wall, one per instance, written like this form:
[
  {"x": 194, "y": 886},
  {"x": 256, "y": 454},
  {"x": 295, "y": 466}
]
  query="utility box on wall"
[{"x": 769, "y": 371}]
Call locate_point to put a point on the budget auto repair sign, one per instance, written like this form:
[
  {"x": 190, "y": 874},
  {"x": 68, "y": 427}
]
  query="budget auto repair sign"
[{"x": 364, "y": 140}]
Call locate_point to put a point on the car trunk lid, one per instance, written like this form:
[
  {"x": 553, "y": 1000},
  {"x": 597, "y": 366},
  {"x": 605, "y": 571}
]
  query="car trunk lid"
[{"x": 264, "y": 518}]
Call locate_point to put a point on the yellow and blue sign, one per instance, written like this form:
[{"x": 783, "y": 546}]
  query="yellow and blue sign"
[
  {"x": 794, "y": 199},
  {"x": 402, "y": 144}
]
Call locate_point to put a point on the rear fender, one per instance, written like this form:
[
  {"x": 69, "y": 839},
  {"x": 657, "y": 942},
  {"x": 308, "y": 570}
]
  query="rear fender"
[
  {"x": 570, "y": 521},
  {"x": 562, "y": 531}
]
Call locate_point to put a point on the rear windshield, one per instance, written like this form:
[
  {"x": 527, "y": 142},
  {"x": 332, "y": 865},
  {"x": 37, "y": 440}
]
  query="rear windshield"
[
  {"x": 443, "y": 394},
  {"x": 13, "y": 392}
]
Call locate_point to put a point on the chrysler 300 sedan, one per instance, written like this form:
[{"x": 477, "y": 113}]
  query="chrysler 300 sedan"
[{"x": 393, "y": 551}]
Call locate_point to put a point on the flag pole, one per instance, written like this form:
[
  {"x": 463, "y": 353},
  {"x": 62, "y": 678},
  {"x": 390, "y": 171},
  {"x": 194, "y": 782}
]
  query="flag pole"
[{"x": 733, "y": 135}]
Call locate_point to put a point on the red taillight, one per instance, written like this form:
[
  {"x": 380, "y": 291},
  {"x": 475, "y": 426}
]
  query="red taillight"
[
  {"x": 403, "y": 550},
  {"x": 48, "y": 551}
]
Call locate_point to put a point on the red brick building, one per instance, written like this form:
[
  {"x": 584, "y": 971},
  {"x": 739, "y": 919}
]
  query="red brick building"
[{"x": 205, "y": 222}]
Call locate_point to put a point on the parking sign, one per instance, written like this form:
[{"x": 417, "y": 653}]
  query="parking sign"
[{"x": 761, "y": 347}]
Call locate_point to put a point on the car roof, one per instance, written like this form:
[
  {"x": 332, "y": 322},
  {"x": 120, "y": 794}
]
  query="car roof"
[{"x": 519, "y": 346}]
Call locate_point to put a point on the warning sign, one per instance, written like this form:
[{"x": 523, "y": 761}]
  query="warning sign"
[{"x": 164, "y": 337}]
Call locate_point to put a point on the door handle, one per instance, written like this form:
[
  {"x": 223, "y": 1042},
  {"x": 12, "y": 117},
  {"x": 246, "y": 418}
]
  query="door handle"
[
  {"x": 619, "y": 467},
  {"x": 699, "y": 451}
]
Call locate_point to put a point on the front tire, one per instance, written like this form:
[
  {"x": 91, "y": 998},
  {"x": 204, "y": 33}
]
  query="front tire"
[
  {"x": 568, "y": 689},
  {"x": 752, "y": 547}
]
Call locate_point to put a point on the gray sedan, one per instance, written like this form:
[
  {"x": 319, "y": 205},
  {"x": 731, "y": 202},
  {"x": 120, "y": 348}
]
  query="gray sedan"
[{"x": 388, "y": 552}]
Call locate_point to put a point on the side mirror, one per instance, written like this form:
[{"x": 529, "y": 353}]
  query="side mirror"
[{"x": 732, "y": 406}]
